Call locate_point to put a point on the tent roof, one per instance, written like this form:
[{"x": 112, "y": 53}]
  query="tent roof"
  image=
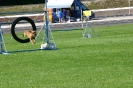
[{"x": 59, "y": 3}]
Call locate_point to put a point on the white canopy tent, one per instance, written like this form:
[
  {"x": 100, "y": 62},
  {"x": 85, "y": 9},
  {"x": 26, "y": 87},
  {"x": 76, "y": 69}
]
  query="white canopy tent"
[{"x": 59, "y": 3}]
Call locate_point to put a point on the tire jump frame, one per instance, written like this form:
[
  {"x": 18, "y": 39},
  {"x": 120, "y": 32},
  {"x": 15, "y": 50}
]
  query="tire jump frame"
[
  {"x": 50, "y": 46},
  {"x": 2, "y": 43},
  {"x": 13, "y": 29}
]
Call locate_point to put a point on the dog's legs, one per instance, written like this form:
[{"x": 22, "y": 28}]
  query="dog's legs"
[
  {"x": 31, "y": 41},
  {"x": 24, "y": 35},
  {"x": 34, "y": 41}
]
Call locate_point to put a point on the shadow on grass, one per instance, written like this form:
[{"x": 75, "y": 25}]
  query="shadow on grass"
[{"x": 21, "y": 51}]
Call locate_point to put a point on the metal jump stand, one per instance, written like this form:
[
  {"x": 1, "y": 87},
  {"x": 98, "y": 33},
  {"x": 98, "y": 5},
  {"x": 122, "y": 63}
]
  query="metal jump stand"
[
  {"x": 1, "y": 38},
  {"x": 2, "y": 43},
  {"x": 48, "y": 45},
  {"x": 88, "y": 31}
]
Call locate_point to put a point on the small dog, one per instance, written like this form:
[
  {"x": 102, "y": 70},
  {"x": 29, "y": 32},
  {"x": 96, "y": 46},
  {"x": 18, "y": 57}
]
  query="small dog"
[{"x": 31, "y": 35}]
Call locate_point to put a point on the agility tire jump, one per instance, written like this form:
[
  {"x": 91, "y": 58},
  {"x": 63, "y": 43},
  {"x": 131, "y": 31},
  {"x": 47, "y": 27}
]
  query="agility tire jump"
[{"x": 13, "y": 29}]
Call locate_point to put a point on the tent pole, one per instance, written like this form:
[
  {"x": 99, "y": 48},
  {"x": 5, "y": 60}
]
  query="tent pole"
[
  {"x": 82, "y": 18},
  {"x": 81, "y": 14}
]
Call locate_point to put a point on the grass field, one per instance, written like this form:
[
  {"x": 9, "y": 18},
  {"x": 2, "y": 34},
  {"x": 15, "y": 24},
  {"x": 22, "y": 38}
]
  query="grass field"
[{"x": 105, "y": 61}]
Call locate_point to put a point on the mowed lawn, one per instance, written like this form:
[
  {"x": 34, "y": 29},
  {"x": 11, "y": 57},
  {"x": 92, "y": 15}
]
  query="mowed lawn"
[{"x": 105, "y": 61}]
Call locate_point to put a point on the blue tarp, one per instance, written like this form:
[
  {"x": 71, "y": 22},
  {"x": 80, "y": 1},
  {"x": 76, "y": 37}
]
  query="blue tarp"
[
  {"x": 78, "y": 3},
  {"x": 77, "y": 13}
]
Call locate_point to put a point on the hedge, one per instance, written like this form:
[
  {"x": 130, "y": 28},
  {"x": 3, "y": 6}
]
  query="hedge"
[{"x": 20, "y": 2}]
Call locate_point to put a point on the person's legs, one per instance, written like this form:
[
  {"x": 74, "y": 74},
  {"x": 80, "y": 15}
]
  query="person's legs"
[{"x": 59, "y": 20}]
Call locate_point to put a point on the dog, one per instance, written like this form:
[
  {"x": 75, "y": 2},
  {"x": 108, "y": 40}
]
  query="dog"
[{"x": 31, "y": 35}]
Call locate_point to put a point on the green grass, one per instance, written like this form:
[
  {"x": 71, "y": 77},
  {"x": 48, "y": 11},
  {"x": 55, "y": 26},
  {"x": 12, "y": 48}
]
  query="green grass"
[
  {"x": 103, "y": 4},
  {"x": 22, "y": 8},
  {"x": 100, "y": 62}
]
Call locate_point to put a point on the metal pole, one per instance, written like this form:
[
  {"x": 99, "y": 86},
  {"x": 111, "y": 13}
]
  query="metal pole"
[
  {"x": 47, "y": 23},
  {"x": 0, "y": 40},
  {"x": 81, "y": 15}
]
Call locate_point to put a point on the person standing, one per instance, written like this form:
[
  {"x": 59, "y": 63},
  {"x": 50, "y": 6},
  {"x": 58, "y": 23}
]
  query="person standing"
[
  {"x": 59, "y": 14},
  {"x": 64, "y": 15}
]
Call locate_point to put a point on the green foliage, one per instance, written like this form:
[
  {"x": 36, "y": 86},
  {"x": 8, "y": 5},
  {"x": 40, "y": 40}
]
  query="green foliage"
[
  {"x": 22, "y": 8},
  {"x": 100, "y": 62},
  {"x": 103, "y": 4},
  {"x": 20, "y": 2}
]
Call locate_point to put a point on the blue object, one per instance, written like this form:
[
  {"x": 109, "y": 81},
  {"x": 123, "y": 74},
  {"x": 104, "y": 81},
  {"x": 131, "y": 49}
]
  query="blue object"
[
  {"x": 78, "y": 3},
  {"x": 76, "y": 12},
  {"x": 59, "y": 13}
]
